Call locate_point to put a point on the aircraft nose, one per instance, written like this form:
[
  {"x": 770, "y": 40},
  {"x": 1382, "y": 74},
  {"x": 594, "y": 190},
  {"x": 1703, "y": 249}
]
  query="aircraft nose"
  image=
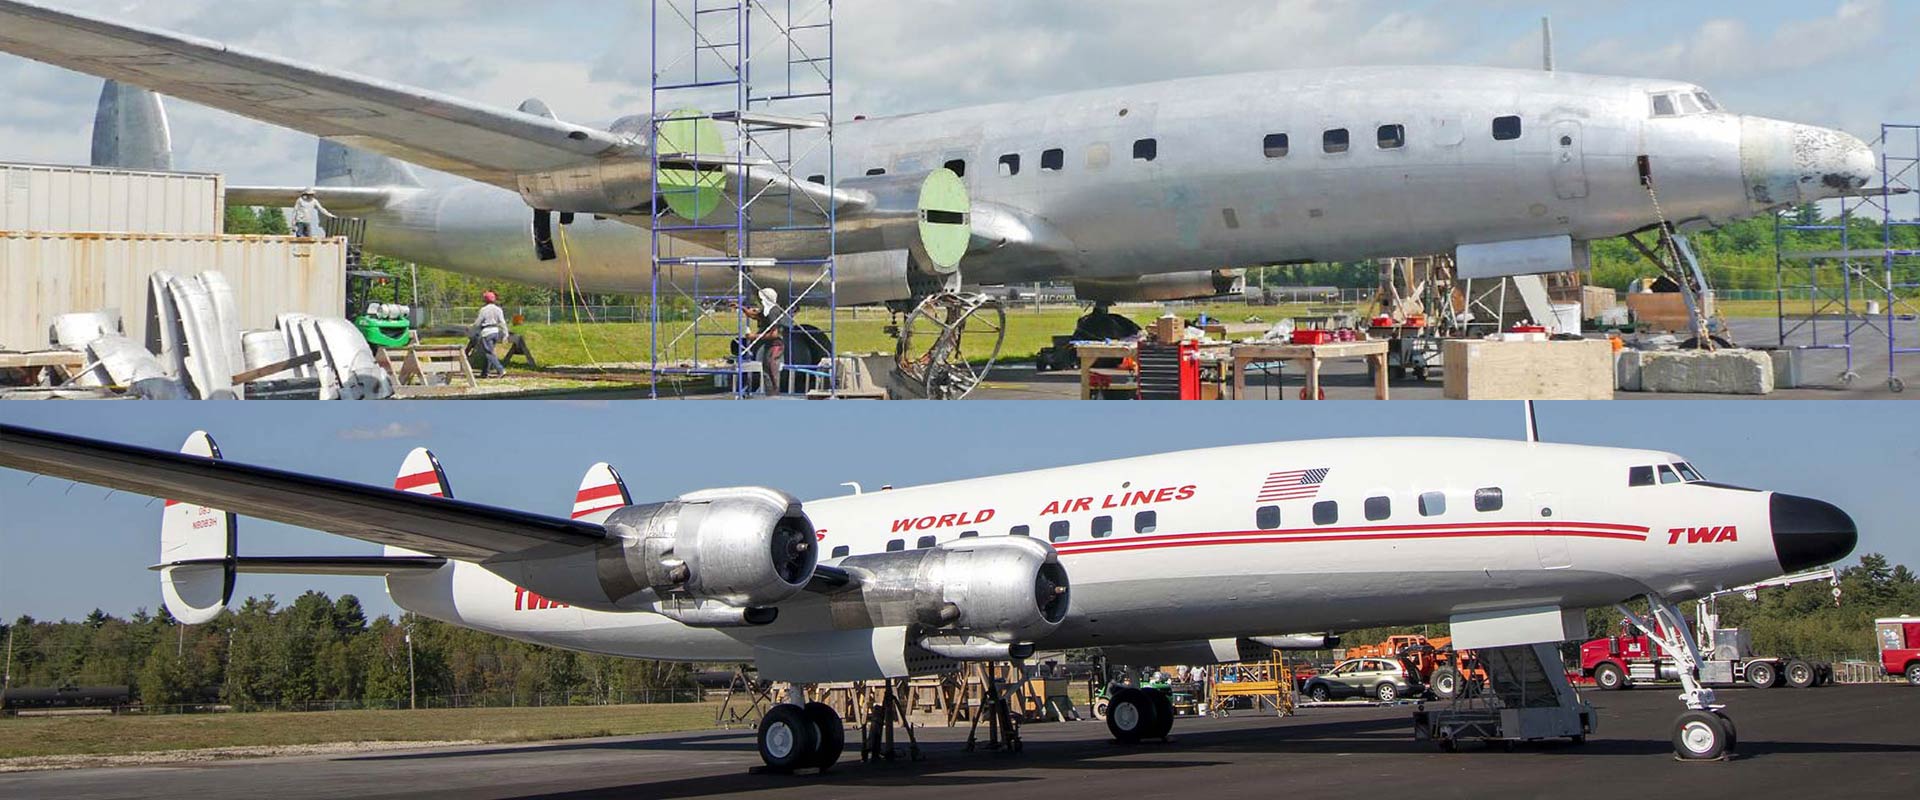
[
  {"x": 1809, "y": 533},
  {"x": 1787, "y": 163}
]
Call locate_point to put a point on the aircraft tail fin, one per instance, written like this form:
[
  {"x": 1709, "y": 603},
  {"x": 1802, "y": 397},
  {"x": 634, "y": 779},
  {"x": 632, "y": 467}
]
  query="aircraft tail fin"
[
  {"x": 419, "y": 474},
  {"x": 602, "y": 492},
  {"x": 196, "y": 551},
  {"x": 341, "y": 166},
  {"x": 130, "y": 130}
]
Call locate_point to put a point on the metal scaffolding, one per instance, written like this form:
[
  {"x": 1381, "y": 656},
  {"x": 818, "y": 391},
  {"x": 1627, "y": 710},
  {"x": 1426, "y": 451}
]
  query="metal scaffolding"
[
  {"x": 729, "y": 235},
  {"x": 1861, "y": 291}
]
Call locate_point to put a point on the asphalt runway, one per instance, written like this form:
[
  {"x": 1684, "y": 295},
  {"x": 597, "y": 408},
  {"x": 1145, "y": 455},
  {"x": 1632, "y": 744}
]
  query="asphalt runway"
[{"x": 1829, "y": 742}]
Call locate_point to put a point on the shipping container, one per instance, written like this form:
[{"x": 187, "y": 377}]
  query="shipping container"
[
  {"x": 45, "y": 275},
  {"x": 50, "y": 199}
]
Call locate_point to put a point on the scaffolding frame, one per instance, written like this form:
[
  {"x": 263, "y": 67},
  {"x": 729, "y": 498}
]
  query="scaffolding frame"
[
  {"x": 781, "y": 115},
  {"x": 1842, "y": 286}
]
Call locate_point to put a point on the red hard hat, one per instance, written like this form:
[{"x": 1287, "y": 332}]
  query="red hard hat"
[{"x": 491, "y": 297}]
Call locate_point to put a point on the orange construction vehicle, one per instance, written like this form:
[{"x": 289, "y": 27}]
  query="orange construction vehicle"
[{"x": 1444, "y": 670}]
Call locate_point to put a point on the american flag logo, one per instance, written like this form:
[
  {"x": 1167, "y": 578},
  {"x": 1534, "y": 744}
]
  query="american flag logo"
[{"x": 1299, "y": 484}]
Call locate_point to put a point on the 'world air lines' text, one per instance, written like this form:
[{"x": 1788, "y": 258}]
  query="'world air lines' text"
[
  {"x": 1703, "y": 535},
  {"x": 1075, "y": 505}
]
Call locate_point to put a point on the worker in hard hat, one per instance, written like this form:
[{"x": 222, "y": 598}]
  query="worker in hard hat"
[
  {"x": 490, "y": 328},
  {"x": 306, "y": 217}
]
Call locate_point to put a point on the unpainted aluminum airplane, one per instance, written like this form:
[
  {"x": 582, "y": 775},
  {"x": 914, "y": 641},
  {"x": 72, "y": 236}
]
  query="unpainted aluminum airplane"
[
  {"x": 1136, "y": 193},
  {"x": 1194, "y": 557}
]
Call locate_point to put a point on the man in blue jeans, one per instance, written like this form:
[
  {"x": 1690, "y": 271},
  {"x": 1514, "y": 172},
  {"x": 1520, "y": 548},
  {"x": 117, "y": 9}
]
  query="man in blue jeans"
[{"x": 491, "y": 329}]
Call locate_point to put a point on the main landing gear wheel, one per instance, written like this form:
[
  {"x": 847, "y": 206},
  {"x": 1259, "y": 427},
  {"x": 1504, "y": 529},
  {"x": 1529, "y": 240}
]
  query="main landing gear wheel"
[
  {"x": 1132, "y": 716},
  {"x": 1702, "y": 736},
  {"x": 942, "y": 338},
  {"x": 1163, "y": 710},
  {"x": 831, "y": 733},
  {"x": 788, "y": 739}
]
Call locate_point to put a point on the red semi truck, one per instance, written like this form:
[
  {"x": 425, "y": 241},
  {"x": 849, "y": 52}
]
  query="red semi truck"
[{"x": 1900, "y": 647}]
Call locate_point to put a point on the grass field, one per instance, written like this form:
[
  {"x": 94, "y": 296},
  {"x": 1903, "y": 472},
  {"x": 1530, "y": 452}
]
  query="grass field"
[
  {"x": 109, "y": 735},
  {"x": 863, "y": 331}
]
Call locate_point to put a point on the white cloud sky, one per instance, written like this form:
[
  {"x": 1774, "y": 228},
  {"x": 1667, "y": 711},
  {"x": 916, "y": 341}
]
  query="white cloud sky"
[{"x": 1825, "y": 61}]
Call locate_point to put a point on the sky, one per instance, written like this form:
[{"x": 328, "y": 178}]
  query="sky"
[
  {"x": 66, "y": 549},
  {"x": 1831, "y": 62}
]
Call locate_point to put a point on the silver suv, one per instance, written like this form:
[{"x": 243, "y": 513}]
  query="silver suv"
[{"x": 1379, "y": 679}]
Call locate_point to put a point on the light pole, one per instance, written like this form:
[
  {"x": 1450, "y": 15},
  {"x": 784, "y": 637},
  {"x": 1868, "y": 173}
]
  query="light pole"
[
  {"x": 413, "y": 697},
  {"x": 6, "y": 679}
]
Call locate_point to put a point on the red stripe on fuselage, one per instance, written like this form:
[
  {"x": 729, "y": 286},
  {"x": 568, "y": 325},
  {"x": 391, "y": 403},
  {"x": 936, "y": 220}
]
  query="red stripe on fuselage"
[{"x": 1592, "y": 530}]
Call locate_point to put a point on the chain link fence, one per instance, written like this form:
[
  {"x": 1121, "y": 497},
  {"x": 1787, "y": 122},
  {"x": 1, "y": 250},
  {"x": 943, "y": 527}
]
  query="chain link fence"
[{"x": 485, "y": 700}]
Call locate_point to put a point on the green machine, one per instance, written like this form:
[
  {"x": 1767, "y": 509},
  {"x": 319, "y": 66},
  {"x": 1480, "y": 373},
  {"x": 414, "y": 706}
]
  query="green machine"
[{"x": 384, "y": 325}]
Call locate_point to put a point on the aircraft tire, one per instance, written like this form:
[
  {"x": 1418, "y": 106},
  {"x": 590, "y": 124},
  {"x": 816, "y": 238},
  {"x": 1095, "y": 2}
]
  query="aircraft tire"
[
  {"x": 787, "y": 739},
  {"x": 1733, "y": 731},
  {"x": 1163, "y": 709},
  {"x": 1131, "y": 715},
  {"x": 1700, "y": 736},
  {"x": 832, "y": 733}
]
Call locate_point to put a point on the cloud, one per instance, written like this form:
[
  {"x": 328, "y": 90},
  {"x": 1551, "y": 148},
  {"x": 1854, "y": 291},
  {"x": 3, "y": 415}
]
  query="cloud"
[{"x": 386, "y": 433}]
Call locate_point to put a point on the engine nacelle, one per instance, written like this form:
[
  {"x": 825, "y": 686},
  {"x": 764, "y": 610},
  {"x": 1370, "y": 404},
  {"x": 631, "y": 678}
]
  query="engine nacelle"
[
  {"x": 734, "y": 548},
  {"x": 1003, "y": 590},
  {"x": 1165, "y": 288}
]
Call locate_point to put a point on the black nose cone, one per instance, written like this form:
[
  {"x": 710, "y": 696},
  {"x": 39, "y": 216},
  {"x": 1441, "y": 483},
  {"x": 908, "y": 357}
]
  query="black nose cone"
[{"x": 1810, "y": 533}]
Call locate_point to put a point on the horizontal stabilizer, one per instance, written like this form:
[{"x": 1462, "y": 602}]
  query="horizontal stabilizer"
[
  {"x": 370, "y": 566},
  {"x": 341, "y": 201}
]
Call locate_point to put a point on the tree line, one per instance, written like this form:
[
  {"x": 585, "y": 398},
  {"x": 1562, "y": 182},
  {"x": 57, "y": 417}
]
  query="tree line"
[{"x": 320, "y": 652}]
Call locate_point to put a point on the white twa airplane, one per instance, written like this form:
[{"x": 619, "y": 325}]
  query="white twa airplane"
[
  {"x": 1186, "y": 557},
  {"x": 1137, "y": 193}
]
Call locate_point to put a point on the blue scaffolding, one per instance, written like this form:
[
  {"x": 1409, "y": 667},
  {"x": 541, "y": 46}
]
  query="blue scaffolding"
[
  {"x": 1861, "y": 294},
  {"x": 742, "y": 105}
]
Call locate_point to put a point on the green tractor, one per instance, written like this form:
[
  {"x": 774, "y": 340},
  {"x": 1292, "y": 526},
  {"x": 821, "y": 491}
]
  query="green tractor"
[{"x": 386, "y": 326}]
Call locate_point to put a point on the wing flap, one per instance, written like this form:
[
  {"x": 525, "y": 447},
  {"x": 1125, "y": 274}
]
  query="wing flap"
[
  {"x": 442, "y": 527},
  {"x": 439, "y": 131}
]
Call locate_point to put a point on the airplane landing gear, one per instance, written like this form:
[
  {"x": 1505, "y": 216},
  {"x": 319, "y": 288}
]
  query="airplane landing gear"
[
  {"x": 943, "y": 337},
  {"x": 796, "y": 737},
  {"x": 1703, "y": 732},
  {"x": 1135, "y": 714}
]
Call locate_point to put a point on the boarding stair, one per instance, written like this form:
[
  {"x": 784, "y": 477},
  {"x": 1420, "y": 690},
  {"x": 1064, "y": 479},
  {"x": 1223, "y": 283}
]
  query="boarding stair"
[{"x": 1527, "y": 698}]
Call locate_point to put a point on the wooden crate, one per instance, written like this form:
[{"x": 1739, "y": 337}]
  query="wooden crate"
[
  {"x": 1664, "y": 313},
  {"x": 1597, "y": 300},
  {"x": 1482, "y": 370}
]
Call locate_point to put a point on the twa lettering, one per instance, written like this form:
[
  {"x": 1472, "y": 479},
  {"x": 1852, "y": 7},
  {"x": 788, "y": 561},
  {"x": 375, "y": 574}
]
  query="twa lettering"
[
  {"x": 1147, "y": 497},
  {"x": 943, "y": 521},
  {"x": 1703, "y": 535},
  {"x": 524, "y": 600}
]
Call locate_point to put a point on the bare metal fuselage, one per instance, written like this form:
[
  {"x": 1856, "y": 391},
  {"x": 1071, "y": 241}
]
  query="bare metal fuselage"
[{"x": 1213, "y": 197}]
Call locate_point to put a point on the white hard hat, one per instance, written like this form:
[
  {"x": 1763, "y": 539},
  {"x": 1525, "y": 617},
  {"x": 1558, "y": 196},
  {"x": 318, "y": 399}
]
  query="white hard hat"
[{"x": 769, "y": 301}]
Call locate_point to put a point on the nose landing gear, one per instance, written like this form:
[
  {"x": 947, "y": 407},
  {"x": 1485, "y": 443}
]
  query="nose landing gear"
[{"x": 1703, "y": 732}]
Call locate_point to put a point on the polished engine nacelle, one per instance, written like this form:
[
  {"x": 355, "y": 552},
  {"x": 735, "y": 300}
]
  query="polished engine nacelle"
[
  {"x": 1165, "y": 288},
  {"x": 715, "y": 558},
  {"x": 968, "y": 599}
]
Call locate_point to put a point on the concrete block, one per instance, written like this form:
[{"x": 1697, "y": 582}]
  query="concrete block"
[
  {"x": 1484, "y": 370},
  {"x": 1732, "y": 372},
  {"x": 1786, "y": 368},
  {"x": 1627, "y": 366}
]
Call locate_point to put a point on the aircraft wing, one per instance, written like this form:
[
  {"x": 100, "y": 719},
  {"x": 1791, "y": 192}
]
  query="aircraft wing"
[
  {"x": 439, "y": 526},
  {"x": 342, "y": 201},
  {"x": 487, "y": 144}
]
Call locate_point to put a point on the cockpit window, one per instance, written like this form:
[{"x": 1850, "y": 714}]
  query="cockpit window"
[
  {"x": 1667, "y": 475},
  {"x": 1687, "y": 473},
  {"x": 1683, "y": 104},
  {"x": 1688, "y": 105},
  {"x": 1663, "y": 106},
  {"x": 1707, "y": 101},
  {"x": 1640, "y": 476}
]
